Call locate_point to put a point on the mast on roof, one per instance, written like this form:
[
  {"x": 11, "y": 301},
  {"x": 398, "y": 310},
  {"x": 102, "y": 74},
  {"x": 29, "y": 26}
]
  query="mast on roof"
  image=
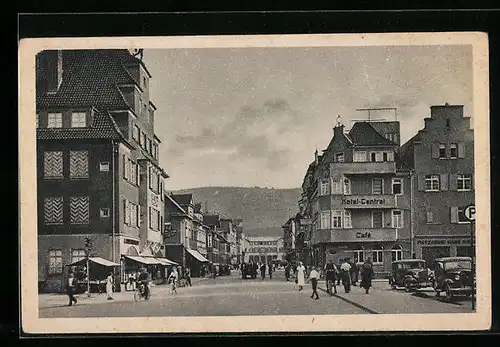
[{"x": 369, "y": 110}]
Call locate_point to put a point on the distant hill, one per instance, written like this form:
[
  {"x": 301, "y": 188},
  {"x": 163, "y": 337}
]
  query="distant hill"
[{"x": 263, "y": 210}]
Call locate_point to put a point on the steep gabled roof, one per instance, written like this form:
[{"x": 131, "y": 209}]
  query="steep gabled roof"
[
  {"x": 385, "y": 128},
  {"x": 183, "y": 199},
  {"x": 103, "y": 127},
  {"x": 90, "y": 78},
  {"x": 211, "y": 220},
  {"x": 172, "y": 200},
  {"x": 364, "y": 134}
]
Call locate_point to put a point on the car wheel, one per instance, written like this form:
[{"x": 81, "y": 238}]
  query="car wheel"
[
  {"x": 408, "y": 286},
  {"x": 449, "y": 295}
]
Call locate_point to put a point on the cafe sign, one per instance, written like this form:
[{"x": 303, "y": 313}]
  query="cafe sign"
[
  {"x": 369, "y": 201},
  {"x": 363, "y": 235}
]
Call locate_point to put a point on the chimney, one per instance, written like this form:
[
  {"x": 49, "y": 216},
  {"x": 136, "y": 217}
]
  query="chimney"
[
  {"x": 316, "y": 158},
  {"x": 338, "y": 130}
]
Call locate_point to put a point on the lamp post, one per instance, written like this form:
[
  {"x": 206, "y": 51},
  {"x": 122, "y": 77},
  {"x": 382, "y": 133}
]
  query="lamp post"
[{"x": 88, "y": 249}]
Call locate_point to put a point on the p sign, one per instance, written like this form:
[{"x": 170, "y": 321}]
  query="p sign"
[{"x": 470, "y": 212}]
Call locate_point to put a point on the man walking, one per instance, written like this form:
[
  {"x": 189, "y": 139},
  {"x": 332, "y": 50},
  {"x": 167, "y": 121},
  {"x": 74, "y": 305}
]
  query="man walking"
[
  {"x": 270, "y": 271},
  {"x": 314, "y": 277},
  {"x": 331, "y": 274},
  {"x": 187, "y": 275},
  {"x": 338, "y": 267},
  {"x": 287, "y": 272},
  {"x": 70, "y": 289},
  {"x": 263, "y": 270},
  {"x": 346, "y": 276}
]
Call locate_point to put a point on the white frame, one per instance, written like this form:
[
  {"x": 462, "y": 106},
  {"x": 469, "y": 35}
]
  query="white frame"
[
  {"x": 337, "y": 154},
  {"x": 322, "y": 190},
  {"x": 440, "y": 147},
  {"x": 455, "y": 145},
  {"x": 392, "y": 185},
  {"x": 58, "y": 120},
  {"x": 401, "y": 219},
  {"x": 397, "y": 250},
  {"x": 373, "y": 258},
  {"x": 357, "y": 253},
  {"x": 77, "y": 123},
  {"x": 464, "y": 178},
  {"x": 322, "y": 218},
  {"x": 78, "y": 257},
  {"x": 347, "y": 225},
  {"x": 358, "y": 154},
  {"x": 431, "y": 177},
  {"x": 103, "y": 165},
  {"x": 104, "y": 212},
  {"x": 337, "y": 214},
  {"x": 50, "y": 256},
  {"x": 348, "y": 180},
  {"x": 427, "y": 217}
]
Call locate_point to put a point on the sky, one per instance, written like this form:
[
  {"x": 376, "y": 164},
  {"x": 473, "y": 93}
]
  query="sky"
[{"x": 254, "y": 116}]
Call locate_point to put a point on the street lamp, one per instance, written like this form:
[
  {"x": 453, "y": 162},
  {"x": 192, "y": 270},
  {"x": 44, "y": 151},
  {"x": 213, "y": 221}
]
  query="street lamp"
[{"x": 88, "y": 249}]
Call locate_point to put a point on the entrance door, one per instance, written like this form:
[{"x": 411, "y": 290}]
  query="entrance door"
[
  {"x": 431, "y": 253},
  {"x": 377, "y": 219}
]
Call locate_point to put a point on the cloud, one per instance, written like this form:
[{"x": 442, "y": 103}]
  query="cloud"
[{"x": 253, "y": 133}]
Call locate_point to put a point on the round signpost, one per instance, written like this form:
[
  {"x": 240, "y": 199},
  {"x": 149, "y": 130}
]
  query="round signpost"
[{"x": 470, "y": 215}]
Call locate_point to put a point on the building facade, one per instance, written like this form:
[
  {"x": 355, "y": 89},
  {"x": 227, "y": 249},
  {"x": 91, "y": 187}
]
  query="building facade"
[
  {"x": 356, "y": 196},
  {"x": 264, "y": 249},
  {"x": 97, "y": 161},
  {"x": 442, "y": 156}
]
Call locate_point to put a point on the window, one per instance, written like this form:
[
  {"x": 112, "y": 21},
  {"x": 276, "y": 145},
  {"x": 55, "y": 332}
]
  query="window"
[
  {"x": 78, "y": 120},
  {"x": 359, "y": 156},
  {"x": 336, "y": 219},
  {"x": 397, "y": 219},
  {"x": 373, "y": 157},
  {"x": 136, "y": 133},
  {"x": 347, "y": 186},
  {"x": 447, "y": 122},
  {"x": 54, "y": 120},
  {"x": 378, "y": 256},
  {"x": 397, "y": 186},
  {"x": 148, "y": 147},
  {"x": 78, "y": 164},
  {"x": 377, "y": 219},
  {"x": 55, "y": 262},
  {"x": 154, "y": 219},
  {"x": 37, "y": 120},
  {"x": 430, "y": 217},
  {"x": 79, "y": 209},
  {"x": 53, "y": 210},
  {"x": 432, "y": 183},
  {"x": 126, "y": 213},
  {"x": 53, "y": 165},
  {"x": 133, "y": 215},
  {"x": 397, "y": 253},
  {"x": 77, "y": 255},
  {"x": 377, "y": 186},
  {"x": 337, "y": 187},
  {"x": 347, "y": 219},
  {"x": 453, "y": 151},
  {"x": 104, "y": 212},
  {"x": 442, "y": 151},
  {"x": 323, "y": 187},
  {"x": 325, "y": 220},
  {"x": 457, "y": 215},
  {"x": 144, "y": 84},
  {"x": 339, "y": 157},
  {"x": 126, "y": 170},
  {"x": 359, "y": 255},
  {"x": 384, "y": 156},
  {"x": 132, "y": 167},
  {"x": 143, "y": 141},
  {"x": 104, "y": 166},
  {"x": 464, "y": 182}
]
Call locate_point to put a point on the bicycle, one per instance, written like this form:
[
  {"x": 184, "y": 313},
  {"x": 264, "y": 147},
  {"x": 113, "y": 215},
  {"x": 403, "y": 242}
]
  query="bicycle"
[{"x": 329, "y": 285}]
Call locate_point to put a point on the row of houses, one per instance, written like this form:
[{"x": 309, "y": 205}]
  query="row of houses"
[
  {"x": 366, "y": 195},
  {"x": 100, "y": 186}
]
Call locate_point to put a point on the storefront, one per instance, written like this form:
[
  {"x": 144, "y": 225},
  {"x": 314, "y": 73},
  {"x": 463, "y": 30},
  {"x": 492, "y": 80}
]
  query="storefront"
[
  {"x": 432, "y": 247},
  {"x": 195, "y": 262},
  {"x": 156, "y": 267},
  {"x": 98, "y": 271}
]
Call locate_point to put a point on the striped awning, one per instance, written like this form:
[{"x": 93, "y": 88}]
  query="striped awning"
[
  {"x": 96, "y": 260},
  {"x": 144, "y": 260},
  {"x": 167, "y": 262}
]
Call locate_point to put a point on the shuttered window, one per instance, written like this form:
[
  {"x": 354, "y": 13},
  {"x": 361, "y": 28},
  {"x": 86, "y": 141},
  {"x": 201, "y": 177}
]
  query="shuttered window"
[
  {"x": 79, "y": 164},
  {"x": 79, "y": 209},
  {"x": 53, "y": 165},
  {"x": 377, "y": 186}
]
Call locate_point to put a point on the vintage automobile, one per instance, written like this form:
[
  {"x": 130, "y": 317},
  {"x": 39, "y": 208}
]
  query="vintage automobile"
[
  {"x": 453, "y": 276},
  {"x": 411, "y": 274}
]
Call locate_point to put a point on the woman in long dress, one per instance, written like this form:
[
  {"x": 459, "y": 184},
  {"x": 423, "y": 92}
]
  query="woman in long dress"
[
  {"x": 301, "y": 275},
  {"x": 109, "y": 286},
  {"x": 367, "y": 274}
]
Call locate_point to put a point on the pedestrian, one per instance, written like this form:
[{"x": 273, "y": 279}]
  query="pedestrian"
[
  {"x": 287, "y": 272},
  {"x": 346, "y": 276},
  {"x": 354, "y": 273},
  {"x": 338, "y": 267},
  {"x": 331, "y": 272},
  {"x": 313, "y": 278},
  {"x": 263, "y": 270},
  {"x": 367, "y": 275},
  {"x": 270, "y": 271},
  {"x": 187, "y": 275},
  {"x": 301, "y": 275},
  {"x": 109, "y": 286},
  {"x": 70, "y": 289}
]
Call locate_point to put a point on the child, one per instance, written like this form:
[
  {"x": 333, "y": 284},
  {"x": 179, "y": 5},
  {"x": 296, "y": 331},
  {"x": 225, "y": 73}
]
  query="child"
[{"x": 314, "y": 277}]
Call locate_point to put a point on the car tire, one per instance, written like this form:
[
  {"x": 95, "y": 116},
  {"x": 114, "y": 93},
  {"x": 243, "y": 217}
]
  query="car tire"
[
  {"x": 449, "y": 295},
  {"x": 408, "y": 288}
]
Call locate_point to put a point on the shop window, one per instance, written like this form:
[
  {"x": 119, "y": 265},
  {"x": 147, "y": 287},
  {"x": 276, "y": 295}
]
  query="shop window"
[
  {"x": 397, "y": 186},
  {"x": 464, "y": 182},
  {"x": 377, "y": 186},
  {"x": 453, "y": 151},
  {"x": 54, "y": 120},
  {"x": 78, "y": 120},
  {"x": 442, "y": 151},
  {"x": 397, "y": 253},
  {"x": 79, "y": 209},
  {"x": 432, "y": 183},
  {"x": 55, "y": 262},
  {"x": 77, "y": 255},
  {"x": 378, "y": 255},
  {"x": 359, "y": 255},
  {"x": 53, "y": 210},
  {"x": 397, "y": 219},
  {"x": 53, "y": 165},
  {"x": 79, "y": 164}
]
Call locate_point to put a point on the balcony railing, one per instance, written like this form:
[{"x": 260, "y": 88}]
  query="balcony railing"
[
  {"x": 355, "y": 235},
  {"x": 385, "y": 167}
]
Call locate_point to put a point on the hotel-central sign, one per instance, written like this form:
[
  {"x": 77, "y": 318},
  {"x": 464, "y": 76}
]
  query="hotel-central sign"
[
  {"x": 363, "y": 201},
  {"x": 368, "y": 201}
]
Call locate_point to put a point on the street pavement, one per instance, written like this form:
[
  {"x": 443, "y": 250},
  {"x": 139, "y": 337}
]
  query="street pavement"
[{"x": 233, "y": 296}]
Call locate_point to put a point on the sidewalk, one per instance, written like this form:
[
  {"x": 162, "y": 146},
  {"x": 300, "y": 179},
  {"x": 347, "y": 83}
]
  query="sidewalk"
[{"x": 61, "y": 299}]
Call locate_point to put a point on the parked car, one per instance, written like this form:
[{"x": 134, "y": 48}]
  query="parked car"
[
  {"x": 410, "y": 274},
  {"x": 453, "y": 276}
]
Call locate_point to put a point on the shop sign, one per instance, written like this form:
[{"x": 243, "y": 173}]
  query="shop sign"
[
  {"x": 444, "y": 242},
  {"x": 369, "y": 201},
  {"x": 360, "y": 235}
]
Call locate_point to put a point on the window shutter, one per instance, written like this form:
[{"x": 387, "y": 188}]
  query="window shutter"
[
  {"x": 454, "y": 214},
  {"x": 461, "y": 150},
  {"x": 126, "y": 214},
  {"x": 390, "y": 156},
  {"x": 444, "y": 181},
  {"x": 453, "y": 181},
  {"x": 328, "y": 188},
  {"x": 421, "y": 182},
  {"x": 435, "y": 150},
  {"x": 125, "y": 171}
]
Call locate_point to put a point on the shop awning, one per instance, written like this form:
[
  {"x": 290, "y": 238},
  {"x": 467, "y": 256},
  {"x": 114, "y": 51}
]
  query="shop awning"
[
  {"x": 96, "y": 260},
  {"x": 165, "y": 261},
  {"x": 197, "y": 255},
  {"x": 144, "y": 260}
]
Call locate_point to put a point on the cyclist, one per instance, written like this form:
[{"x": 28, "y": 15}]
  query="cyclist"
[
  {"x": 144, "y": 279},
  {"x": 331, "y": 272},
  {"x": 174, "y": 276}
]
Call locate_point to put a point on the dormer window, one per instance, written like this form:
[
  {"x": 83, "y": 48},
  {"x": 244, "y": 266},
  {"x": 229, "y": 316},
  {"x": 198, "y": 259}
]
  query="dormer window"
[
  {"x": 54, "y": 120},
  {"x": 339, "y": 157},
  {"x": 78, "y": 120}
]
